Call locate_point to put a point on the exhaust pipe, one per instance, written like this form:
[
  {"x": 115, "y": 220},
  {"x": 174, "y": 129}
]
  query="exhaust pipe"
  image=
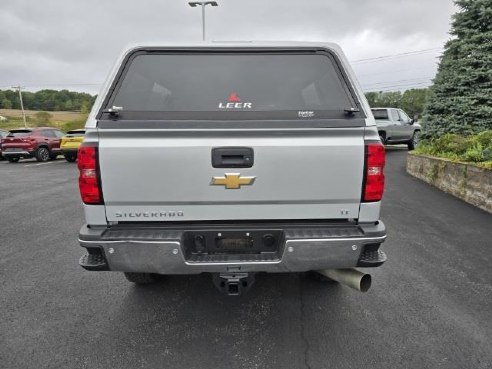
[{"x": 349, "y": 277}]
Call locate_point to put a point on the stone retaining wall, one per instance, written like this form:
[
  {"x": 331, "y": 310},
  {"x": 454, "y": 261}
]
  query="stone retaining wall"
[{"x": 465, "y": 181}]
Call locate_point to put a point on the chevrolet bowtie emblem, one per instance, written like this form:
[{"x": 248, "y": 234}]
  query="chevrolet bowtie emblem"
[{"x": 232, "y": 181}]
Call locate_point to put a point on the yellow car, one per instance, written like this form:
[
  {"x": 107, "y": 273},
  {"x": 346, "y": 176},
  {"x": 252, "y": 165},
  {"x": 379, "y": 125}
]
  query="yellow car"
[{"x": 70, "y": 144}]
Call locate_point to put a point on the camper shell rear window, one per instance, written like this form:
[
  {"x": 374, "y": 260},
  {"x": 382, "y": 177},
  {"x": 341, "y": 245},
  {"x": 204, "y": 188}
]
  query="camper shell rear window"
[{"x": 230, "y": 85}]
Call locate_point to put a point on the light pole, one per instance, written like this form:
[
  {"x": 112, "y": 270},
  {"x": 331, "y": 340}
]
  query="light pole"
[
  {"x": 203, "y": 4},
  {"x": 19, "y": 88}
]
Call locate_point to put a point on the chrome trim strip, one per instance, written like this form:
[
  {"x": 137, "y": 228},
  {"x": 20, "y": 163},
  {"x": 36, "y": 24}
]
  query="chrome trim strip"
[
  {"x": 355, "y": 239},
  {"x": 128, "y": 241},
  {"x": 381, "y": 238},
  {"x": 235, "y": 263},
  {"x": 15, "y": 153}
]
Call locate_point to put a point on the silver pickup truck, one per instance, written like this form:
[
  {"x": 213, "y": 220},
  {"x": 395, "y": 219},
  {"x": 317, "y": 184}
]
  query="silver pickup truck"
[
  {"x": 395, "y": 127},
  {"x": 232, "y": 159}
]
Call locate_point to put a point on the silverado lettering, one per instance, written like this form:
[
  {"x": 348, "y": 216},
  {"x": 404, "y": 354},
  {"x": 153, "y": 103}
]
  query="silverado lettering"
[{"x": 154, "y": 214}]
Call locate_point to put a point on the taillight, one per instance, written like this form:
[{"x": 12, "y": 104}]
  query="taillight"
[
  {"x": 89, "y": 180},
  {"x": 374, "y": 175}
]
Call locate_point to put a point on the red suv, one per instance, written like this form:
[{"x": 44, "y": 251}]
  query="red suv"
[
  {"x": 42, "y": 143},
  {"x": 3, "y": 134}
]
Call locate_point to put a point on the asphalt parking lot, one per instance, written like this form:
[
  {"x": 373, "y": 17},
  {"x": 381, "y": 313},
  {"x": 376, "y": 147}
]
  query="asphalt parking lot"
[{"x": 430, "y": 305}]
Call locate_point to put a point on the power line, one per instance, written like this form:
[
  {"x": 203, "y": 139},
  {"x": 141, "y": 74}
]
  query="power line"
[
  {"x": 397, "y": 87},
  {"x": 394, "y": 71},
  {"x": 67, "y": 84},
  {"x": 57, "y": 84},
  {"x": 393, "y": 56},
  {"x": 397, "y": 81},
  {"x": 401, "y": 84}
]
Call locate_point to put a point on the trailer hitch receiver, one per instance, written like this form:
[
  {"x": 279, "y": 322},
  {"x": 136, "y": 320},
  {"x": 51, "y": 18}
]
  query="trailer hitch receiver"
[{"x": 233, "y": 284}]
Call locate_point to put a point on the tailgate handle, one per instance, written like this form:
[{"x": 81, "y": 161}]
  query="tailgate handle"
[{"x": 232, "y": 157}]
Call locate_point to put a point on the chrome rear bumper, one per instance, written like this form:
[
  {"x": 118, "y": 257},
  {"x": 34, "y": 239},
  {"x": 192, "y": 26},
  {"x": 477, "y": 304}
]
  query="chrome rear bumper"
[{"x": 303, "y": 248}]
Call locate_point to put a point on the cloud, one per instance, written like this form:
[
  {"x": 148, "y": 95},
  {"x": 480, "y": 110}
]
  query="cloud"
[{"x": 67, "y": 43}]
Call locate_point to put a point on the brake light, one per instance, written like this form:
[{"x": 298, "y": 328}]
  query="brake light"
[
  {"x": 374, "y": 175},
  {"x": 89, "y": 180}
]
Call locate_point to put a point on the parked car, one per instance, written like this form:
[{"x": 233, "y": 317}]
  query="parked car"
[
  {"x": 232, "y": 159},
  {"x": 396, "y": 127},
  {"x": 70, "y": 144},
  {"x": 3, "y": 134},
  {"x": 42, "y": 143}
]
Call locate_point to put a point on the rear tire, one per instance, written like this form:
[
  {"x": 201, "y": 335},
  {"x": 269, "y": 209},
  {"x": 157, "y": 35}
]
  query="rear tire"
[
  {"x": 414, "y": 142},
  {"x": 13, "y": 159},
  {"x": 141, "y": 278},
  {"x": 70, "y": 157},
  {"x": 42, "y": 154},
  {"x": 382, "y": 138}
]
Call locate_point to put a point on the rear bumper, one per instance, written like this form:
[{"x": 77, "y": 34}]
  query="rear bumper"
[
  {"x": 69, "y": 151},
  {"x": 162, "y": 250},
  {"x": 22, "y": 153}
]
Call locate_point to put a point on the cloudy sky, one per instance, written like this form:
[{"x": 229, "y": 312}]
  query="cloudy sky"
[{"x": 73, "y": 43}]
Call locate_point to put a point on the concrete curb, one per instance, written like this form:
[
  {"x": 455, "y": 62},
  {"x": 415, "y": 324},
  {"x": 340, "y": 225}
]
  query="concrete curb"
[{"x": 466, "y": 181}]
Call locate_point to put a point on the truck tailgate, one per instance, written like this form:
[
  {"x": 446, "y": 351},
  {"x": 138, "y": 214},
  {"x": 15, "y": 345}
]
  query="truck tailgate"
[{"x": 166, "y": 175}]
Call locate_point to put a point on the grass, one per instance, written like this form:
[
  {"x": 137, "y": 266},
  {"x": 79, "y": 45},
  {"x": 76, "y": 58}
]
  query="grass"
[
  {"x": 475, "y": 149},
  {"x": 64, "y": 120}
]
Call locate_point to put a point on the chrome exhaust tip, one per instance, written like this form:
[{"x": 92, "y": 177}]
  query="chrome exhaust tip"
[{"x": 349, "y": 277}]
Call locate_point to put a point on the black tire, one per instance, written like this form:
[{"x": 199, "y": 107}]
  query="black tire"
[
  {"x": 382, "y": 137},
  {"x": 42, "y": 154},
  {"x": 414, "y": 142},
  {"x": 70, "y": 157},
  {"x": 141, "y": 278},
  {"x": 13, "y": 159}
]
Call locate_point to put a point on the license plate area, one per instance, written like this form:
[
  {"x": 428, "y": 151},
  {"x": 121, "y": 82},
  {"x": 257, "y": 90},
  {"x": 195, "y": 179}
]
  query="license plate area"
[
  {"x": 234, "y": 245},
  {"x": 233, "y": 242}
]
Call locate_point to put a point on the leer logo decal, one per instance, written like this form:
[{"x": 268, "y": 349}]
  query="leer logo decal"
[
  {"x": 232, "y": 181},
  {"x": 234, "y": 102}
]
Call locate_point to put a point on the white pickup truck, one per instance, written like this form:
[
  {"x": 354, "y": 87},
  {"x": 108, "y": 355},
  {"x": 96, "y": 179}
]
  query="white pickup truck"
[{"x": 232, "y": 159}]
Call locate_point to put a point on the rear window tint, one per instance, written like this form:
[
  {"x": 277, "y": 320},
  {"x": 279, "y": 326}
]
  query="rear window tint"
[
  {"x": 380, "y": 113},
  {"x": 19, "y": 133},
  {"x": 232, "y": 82},
  {"x": 76, "y": 133}
]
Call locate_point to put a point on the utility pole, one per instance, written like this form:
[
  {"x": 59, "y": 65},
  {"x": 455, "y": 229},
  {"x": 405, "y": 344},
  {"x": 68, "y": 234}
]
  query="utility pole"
[
  {"x": 203, "y": 4},
  {"x": 19, "y": 88}
]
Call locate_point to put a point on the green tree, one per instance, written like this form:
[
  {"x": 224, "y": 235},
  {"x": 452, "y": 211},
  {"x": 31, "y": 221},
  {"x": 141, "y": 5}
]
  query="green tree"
[
  {"x": 390, "y": 99},
  {"x": 6, "y": 104},
  {"x": 47, "y": 100},
  {"x": 413, "y": 101},
  {"x": 372, "y": 98},
  {"x": 68, "y": 105},
  {"x": 460, "y": 100},
  {"x": 384, "y": 99}
]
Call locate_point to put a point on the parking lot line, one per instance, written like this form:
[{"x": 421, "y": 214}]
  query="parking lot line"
[{"x": 35, "y": 165}]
